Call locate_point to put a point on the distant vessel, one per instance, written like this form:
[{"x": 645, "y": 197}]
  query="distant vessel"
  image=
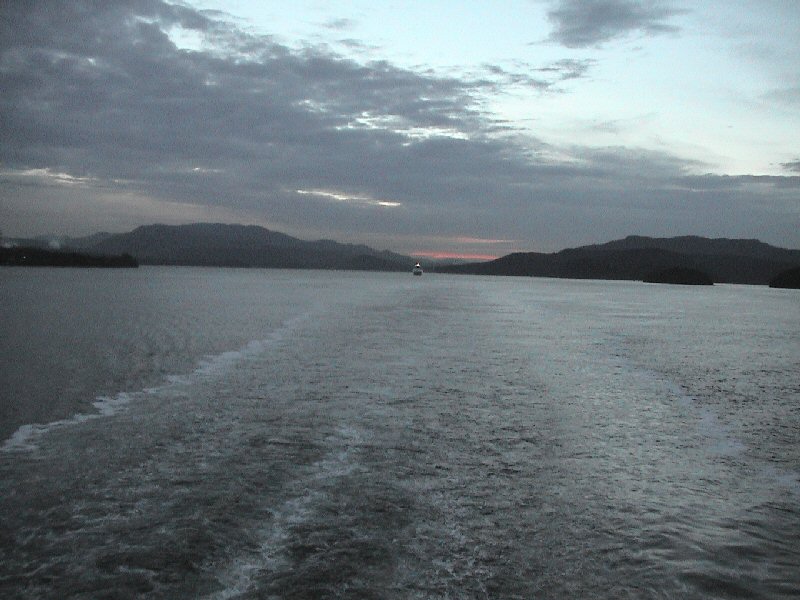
[{"x": 417, "y": 269}]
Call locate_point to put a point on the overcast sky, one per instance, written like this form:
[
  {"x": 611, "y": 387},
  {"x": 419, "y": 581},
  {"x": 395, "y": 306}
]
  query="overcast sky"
[{"x": 430, "y": 127}]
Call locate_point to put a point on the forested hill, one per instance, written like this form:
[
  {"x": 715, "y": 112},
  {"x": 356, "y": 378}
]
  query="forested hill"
[
  {"x": 634, "y": 257},
  {"x": 637, "y": 257},
  {"x": 213, "y": 244},
  {"x": 31, "y": 256}
]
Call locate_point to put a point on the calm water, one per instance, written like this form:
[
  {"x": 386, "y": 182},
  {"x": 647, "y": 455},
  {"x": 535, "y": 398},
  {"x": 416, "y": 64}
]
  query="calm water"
[{"x": 173, "y": 433}]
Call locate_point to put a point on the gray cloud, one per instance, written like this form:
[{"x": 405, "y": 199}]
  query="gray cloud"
[
  {"x": 726, "y": 183},
  {"x": 793, "y": 165},
  {"x": 106, "y": 124},
  {"x": 339, "y": 24},
  {"x": 584, "y": 23},
  {"x": 541, "y": 78},
  {"x": 567, "y": 69},
  {"x": 115, "y": 97}
]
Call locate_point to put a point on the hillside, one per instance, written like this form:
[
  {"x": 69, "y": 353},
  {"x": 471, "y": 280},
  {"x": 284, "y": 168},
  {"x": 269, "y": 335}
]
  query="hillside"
[
  {"x": 29, "y": 256},
  {"x": 632, "y": 258},
  {"x": 690, "y": 244},
  {"x": 635, "y": 257},
  {"x": 213, "y": 244},
  {"x": 788, "y": 279}
]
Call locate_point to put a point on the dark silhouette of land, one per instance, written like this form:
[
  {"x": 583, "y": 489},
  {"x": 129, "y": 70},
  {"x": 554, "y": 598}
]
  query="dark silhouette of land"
[
  {"x": 679, "y": 275},
  {"x": 633, "y": 258},
  {"x": 787, "y": 279},
  {"x": 209, "y": 244},
  {"x": 636, "y": 257},
  {"x": 22, "y": 256}
]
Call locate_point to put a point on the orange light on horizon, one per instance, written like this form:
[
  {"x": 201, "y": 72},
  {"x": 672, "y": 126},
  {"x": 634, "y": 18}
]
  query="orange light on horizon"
[{"x": 455, "y": 255}]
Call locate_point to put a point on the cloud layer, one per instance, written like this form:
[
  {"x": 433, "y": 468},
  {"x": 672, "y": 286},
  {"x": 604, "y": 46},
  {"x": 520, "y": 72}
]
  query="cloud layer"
[
  {"x": 106, "y": 124},
  {"x": 584, "y": 23}
]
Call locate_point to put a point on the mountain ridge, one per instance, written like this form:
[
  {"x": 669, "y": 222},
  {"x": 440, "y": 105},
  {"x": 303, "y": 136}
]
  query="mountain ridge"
[
  {"x": 724, "y": 260},
  {"x": 693, "y": 244},
  {"x": 634, "y": 257},
  {"x": 233, "y": 245}
]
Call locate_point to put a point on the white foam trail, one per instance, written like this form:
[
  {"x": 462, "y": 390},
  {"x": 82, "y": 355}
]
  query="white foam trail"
[
  {"x": 719, "y": 441},
  {"x": 239, "y": 576},
  {"x": 19, "y": 440},
  {"x": 24, "y": 438},
  {"x": 789, "y": 480},
  {"x": 107, "y": 407},
  {"x": 722, "y": 443}
]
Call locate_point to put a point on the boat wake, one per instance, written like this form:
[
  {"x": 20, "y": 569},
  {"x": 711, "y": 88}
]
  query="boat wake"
[{"x": 25, "y": 438}]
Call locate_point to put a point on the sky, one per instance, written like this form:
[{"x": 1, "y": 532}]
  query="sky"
[{"x": 436, "y": 128}]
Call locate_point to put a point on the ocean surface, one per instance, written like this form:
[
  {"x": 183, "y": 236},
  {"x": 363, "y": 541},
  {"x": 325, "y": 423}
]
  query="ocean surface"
[{"x": 225, "y": 433}]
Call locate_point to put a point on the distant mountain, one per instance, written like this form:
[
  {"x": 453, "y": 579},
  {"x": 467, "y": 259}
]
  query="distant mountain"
[
  {"x": 680, "y": 276},
  {"x": 690, "y": 244},
  {"x": 636, "y": 257},
  {"x": 56, "y": 242},
  {"x": 83, "y": 242},
  {"x": 31, "y": 256},
  {"x": 787, "y": 279},
  {"x": 214, "y": 244}
]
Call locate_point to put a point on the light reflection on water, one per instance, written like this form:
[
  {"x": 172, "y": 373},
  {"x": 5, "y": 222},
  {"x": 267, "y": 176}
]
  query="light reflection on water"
[{"x": 362, "y": 435}]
